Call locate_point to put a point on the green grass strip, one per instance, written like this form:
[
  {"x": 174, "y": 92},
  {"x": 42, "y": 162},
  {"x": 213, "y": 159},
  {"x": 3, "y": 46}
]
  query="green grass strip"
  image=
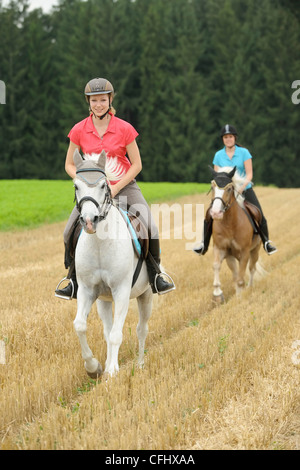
[{"x": 27, "y": 204}]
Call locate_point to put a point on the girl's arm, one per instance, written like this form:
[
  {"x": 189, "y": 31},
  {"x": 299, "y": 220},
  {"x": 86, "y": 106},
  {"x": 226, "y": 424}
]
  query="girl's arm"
[
  {"x": 136, "y": 166},
  {"x": 69, "y": 163}
]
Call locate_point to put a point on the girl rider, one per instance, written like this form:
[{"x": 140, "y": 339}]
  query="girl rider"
[
  {"x": 232, "y": 155},
  {"x": 102, "y": 130}
]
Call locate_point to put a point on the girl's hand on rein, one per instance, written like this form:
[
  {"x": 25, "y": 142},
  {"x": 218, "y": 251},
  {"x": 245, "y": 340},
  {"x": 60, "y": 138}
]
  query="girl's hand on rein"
[{"x": 114, "y": 190}]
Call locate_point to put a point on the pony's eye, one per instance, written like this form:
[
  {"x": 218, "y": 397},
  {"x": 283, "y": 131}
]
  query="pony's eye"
[{"x": 76, "y": 187}]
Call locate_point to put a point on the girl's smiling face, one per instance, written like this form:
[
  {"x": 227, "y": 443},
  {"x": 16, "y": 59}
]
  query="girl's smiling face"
[
  {"x": 229, "y": 140},
  {"x": 99, "y": 104}
]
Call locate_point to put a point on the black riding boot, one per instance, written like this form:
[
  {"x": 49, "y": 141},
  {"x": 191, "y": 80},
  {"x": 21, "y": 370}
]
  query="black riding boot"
[
  {"x": 158, "y": 284},
  {"x": 70, "y": 291},
  {"x": 263, "y": 228},
  {"x": 264, "y": 235},
  {"x": 207, "y": 232}
]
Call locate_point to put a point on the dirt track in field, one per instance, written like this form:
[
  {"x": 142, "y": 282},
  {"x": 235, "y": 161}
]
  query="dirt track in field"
[{"x": 222, "y": 377}]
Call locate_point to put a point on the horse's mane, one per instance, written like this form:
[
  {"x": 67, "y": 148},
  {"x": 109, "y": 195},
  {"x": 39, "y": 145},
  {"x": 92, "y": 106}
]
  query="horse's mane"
[
  {"x": 238, "y": 181},
  {"x": 113, "y": 169}
]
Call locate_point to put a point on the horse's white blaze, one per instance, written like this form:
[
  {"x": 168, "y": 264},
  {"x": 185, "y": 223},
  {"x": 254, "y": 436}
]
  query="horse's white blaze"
[{"x": 216, "y": 209}]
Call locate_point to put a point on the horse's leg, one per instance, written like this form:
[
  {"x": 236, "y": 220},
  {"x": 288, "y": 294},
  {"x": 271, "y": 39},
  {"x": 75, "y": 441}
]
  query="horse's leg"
[
  {"x": 254, "y": 254},
  {"x": 85, "y": 301},
  {"x": 232, "y": 264},
  {"x": 218, "y": 258},
  {"x": 240, "y": 284},
  {"x": 105, "y": 313},
  {"x": 121, "y": 301},
  {"x": 145, "y": 308}
]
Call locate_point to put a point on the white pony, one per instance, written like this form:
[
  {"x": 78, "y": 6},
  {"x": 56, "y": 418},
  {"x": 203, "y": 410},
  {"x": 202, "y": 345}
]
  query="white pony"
[{"x": 105, "y": 263}]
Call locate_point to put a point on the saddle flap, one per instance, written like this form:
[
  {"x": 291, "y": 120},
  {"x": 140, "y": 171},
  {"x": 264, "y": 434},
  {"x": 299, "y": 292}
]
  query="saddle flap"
[{"x": 254, "y": 211}]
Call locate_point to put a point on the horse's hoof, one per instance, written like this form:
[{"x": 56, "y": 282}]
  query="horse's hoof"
[
  {"x": 218, "y": 299},
  {"x": 98, "y": 372}
]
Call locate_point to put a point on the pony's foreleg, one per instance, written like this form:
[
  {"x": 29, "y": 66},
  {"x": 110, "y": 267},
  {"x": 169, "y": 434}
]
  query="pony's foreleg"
[
  {"x": 254, "y": 254},
  {"x": 105, "y": 313},
  {"x": 145, "y": 309},
  {"x": 232, "y": 264},
  {"x": 240, "y": 283},
  {"x": 116, "y": 332},
  {"x": 217, "y": 293},
  {"x": 84, "y": 305}
]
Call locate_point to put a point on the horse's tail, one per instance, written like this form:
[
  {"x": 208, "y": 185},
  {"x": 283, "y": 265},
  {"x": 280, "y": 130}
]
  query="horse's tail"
[{"x": 260, "y": 271}]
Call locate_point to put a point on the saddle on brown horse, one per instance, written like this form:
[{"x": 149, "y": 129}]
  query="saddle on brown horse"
[{"x": 254, "y": 215}]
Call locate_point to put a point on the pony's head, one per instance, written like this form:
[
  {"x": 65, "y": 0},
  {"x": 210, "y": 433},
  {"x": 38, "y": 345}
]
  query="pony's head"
[
  {"x": 225, "y": 187},
  {"x": 92, "y": 193}
]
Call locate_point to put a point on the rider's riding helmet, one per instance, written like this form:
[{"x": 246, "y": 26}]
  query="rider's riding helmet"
[
  {"x": 98, "y": 86},
  {"x": 228, "y": 129}
]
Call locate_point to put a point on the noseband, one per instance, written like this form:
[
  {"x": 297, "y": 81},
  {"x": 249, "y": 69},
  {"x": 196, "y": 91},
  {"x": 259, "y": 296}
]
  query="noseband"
[
  {"x": 227, "y": 205},
  {"x": 102, "y": 213}
]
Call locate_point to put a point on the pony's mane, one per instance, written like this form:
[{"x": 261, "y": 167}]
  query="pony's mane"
[
  {"x": 113, "y": 169},
  {"x": 238, "y": 181}
]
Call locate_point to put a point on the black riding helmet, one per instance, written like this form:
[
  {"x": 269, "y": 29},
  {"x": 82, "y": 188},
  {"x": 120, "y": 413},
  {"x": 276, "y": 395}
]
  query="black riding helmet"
[{"x": 228, "y": 129}]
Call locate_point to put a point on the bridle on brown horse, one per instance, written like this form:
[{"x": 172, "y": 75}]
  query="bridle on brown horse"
[{"x": 226, "y": 205}]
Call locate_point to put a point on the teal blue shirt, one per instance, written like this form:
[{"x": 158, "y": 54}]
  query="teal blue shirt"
[{"x": 240, "y": 156}]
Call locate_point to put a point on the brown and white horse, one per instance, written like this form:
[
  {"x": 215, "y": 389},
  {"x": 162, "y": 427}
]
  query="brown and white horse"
[{"x": 233, "y": 234}]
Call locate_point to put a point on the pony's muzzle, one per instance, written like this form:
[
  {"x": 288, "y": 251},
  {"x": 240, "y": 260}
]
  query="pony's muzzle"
[
  {"x": 217, "y": 215},
  {"x": 89, "y": 223}
]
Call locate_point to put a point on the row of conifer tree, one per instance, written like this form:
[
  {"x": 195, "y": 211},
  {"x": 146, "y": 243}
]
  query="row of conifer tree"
[{"x": 180, "y": 68}]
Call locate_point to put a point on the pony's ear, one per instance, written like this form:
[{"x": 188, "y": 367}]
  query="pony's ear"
[
  {"x": 213, "y": 171},
  {"x": 102, "y": 160},
  {"x": 231, "y": 173},
  {"x": 77, "y": 158}
]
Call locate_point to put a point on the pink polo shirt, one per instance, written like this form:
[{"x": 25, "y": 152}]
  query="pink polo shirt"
[{"x": 117, "y": 136}]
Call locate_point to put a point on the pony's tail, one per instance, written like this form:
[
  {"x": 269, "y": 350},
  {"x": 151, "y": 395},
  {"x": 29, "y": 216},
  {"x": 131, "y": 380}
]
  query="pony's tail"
[{"x": 260, "y": 271}]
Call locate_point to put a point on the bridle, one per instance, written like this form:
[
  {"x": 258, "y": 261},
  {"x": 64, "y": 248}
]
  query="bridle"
[
  {"x": 226, "y": 205},
  {"x": 107, "y": 203}
]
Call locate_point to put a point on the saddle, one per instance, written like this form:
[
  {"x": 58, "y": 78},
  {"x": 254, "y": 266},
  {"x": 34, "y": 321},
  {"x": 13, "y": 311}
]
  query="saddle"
[
  {"x": 254, "y": 211},
  {"x": 139, "y": 236},
  {"x": 254, "y": 216}
]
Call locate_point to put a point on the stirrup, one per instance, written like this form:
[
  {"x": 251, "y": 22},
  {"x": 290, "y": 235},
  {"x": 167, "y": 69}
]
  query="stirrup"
[
  {"x": 63, "y": 296},
  {"x": 167, "y": 290},
  {"x": 266, "y": 249}
]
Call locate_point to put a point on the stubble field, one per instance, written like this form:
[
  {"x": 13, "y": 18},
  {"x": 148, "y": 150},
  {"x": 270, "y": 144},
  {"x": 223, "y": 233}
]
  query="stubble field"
[{"x": 223, "y": 377}]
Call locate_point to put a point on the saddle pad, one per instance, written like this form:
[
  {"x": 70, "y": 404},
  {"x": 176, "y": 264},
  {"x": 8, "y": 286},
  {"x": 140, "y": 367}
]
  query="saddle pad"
[{"x": 138, "y": 233}]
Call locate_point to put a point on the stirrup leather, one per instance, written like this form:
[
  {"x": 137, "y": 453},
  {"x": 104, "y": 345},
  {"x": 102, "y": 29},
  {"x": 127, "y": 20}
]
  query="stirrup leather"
[
  {"x": 63, "y": 296},
  {"x": 167, "y": 290}
]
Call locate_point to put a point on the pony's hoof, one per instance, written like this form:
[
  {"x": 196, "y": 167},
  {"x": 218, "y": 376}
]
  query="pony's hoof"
[
  {"x": 98, "y": 372},
  {"x": 218, "y": 299}
]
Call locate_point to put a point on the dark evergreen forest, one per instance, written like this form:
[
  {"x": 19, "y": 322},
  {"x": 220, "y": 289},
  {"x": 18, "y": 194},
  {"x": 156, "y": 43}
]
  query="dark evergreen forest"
[{"x": 181, "y": 69}]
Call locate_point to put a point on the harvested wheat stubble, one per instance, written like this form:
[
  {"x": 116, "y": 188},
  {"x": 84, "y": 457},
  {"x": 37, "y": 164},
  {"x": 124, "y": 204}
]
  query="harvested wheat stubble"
[{"x": 214, "y": 378}]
